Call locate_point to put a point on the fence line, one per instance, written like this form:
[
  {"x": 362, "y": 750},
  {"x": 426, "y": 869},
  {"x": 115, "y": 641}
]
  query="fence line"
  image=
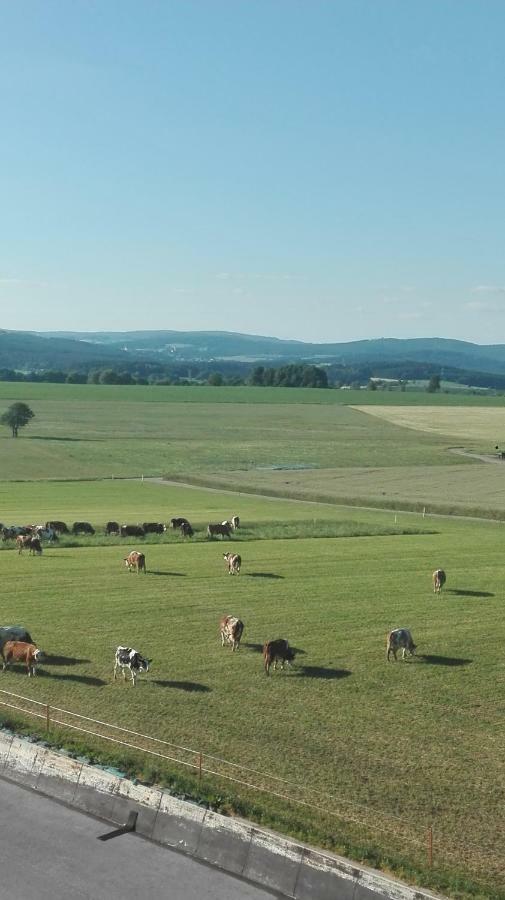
[{"x": 423, "y": 836}]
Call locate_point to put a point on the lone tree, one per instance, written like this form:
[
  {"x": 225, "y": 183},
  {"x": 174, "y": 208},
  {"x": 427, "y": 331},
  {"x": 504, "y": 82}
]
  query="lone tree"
[
  {"x": 433, "y": 384},
  {"x": 17, "y": 416}
]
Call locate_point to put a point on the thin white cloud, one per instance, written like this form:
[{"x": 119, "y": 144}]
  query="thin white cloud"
[
  {"x": 483, "y": 306},
  {"x": 488, "y": 289},
  {"x": 22, "y": 282},
  {"x": 256, "y": 276}
]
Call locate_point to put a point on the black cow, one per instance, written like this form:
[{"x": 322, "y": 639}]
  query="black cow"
[
  {"x": 59, "y": 527},
  {"x": 112, "y": 528},
  {"x": 154, "y": 527},
  {"x": 186, "y": 530},
  {"x": 132, "y": 531},
  {"x": 82, "y": 528}
]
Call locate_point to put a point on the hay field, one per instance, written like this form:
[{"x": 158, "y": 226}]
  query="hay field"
[{"x": 482, "y": 427}]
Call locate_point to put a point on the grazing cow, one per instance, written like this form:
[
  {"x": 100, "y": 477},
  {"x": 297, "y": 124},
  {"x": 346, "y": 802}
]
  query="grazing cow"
[
  {"x": 186, "y": 530},
  {"x": 277, "y": 650},
  {"x": 30, "y": 543},
  {"x": 235, "y": 522},
  {"x": 14, "y": 633},
  {"x": 132, "y": 531},
  {"x": 154, "y": 527},
  {"x": 136, "y": 560},
  {"x": 11, "y": 532},
  {"x": 439, "y": 579},
  {"x": 234, "y": 562},
  {"x": 230, "y": 629},
  {"x": 399, "y": 639},
  {"x": 82, "y": 528},
  {"x": 59, "y": 527},
  {"x": 19, "y": 651},
  {"x": 112, "y": 528},
  {"x": 178, "y": 521},
  {"x": 127, "y": 658},
  {"x": 45, "y": 534},
  {"x": 219, "y": 528}
]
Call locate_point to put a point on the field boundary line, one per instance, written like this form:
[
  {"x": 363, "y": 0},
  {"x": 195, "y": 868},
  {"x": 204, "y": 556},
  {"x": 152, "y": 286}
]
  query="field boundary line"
[{"x": 273, "y": 497}]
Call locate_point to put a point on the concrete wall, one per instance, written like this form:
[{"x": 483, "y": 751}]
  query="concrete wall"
[{"x": 292, "y": 869}]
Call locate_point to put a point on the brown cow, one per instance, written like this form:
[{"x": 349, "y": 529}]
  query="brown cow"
[
  {"x": 136, "y": 560},
  {"x": 230, "y": 629},
  {"x": 19, "y": 651},
  {"x": 277, "y": 650}
]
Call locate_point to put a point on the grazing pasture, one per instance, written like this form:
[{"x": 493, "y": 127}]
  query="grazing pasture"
[
  {"x": 390, "y": 749},
  {"x": 92, "y": 433},
  {"x": 341, "y": 722}
]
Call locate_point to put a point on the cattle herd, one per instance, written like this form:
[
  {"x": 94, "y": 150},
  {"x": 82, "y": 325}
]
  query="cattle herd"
[{"x": 16, "y": 645}]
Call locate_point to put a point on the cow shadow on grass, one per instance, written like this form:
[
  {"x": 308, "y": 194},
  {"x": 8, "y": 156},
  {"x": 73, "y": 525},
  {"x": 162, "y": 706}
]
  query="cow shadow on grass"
[
  {"x": 40, "y": 437},
  {"x": 461, "y": 592},
  {"x": 167, "y": 574},
  {"x": 190, "y": 686},
  {"x": 444, "y": 660},
  {"x": 258, "y": 648},
  {"x": 321, "y": 672},
  {"x": 262, "y": 575},
  {"x": 63, "y": 660},
  {"x": 81, "y": 679}
]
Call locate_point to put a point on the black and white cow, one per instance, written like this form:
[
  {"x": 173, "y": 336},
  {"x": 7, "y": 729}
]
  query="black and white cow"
[
  {"x": 128, "y": 658},
  {"x": 400, "y": 639},
  {"x": 177, "y": 521}
]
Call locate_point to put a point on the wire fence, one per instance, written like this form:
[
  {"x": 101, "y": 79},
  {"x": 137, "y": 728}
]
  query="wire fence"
[{"x": 423, "y": 843}]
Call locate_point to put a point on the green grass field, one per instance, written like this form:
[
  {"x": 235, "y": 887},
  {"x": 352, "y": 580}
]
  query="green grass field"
[{"x": 388, "y": 749}]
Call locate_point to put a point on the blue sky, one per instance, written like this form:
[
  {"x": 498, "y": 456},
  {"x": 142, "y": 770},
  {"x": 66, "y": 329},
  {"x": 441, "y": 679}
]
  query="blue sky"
[{"x": 324, "y": 170}]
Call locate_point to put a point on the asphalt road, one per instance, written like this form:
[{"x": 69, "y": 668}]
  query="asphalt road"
[{"x": 49, "y": 851}]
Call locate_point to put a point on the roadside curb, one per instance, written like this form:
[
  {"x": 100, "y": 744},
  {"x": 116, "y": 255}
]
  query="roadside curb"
[{"x": 234, "y": 845}]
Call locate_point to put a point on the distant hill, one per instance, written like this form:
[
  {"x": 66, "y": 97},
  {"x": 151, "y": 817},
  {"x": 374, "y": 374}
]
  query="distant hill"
[
  {"x": 205, "y": 345},
  {"x": 160, "y": 350}
]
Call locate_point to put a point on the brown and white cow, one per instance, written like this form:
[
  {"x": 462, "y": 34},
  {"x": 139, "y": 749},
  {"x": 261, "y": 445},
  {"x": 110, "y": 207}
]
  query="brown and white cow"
[
  {"x": 230, "y": 629},
  {"x": 30, "y": 543},
  {"x": 439, "y": 579},
  {"x": 234, "y": 562},
  {"x": 19, "y": 651},
  {"x": 400, "y": 639},
  {"x": 219, "y": 528},
  {"x": 135, "y": 560},
  {"x": 273, "y": 651}
]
